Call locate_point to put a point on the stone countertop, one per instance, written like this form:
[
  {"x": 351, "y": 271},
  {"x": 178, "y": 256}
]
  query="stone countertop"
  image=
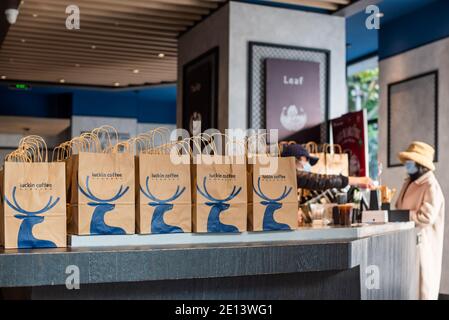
[
  {"x": 306, "y": 250},
  {"x": 309, "y": 233}
]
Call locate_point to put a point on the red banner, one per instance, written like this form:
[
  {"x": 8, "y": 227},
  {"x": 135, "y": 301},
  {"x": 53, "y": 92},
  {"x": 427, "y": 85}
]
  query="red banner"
[{"x": 351, "y": 132}]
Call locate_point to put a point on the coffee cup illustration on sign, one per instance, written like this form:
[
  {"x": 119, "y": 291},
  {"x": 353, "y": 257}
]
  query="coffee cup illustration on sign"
[{"x": 293, "y": 118}]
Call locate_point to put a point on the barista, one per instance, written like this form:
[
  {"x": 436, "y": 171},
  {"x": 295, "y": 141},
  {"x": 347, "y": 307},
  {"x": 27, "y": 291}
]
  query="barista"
[
  {"x": 422, "y": 195},
  {"x": 319, "y": 182}
]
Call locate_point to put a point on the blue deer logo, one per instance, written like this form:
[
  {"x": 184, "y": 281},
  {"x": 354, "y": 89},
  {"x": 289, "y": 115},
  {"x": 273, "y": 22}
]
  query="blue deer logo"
[
  {"x": 161, "y": 207},
  {"x": 102, "y": 206},
  {"x": 217, "y": 207},
  {"x": 29, "y": 219},
  {"x": 272, "y": 204}
]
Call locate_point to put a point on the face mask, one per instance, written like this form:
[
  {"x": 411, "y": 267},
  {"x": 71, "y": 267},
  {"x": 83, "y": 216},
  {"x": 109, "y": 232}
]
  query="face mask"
[
  {"x": 307, "y": 167},
  {"x": 410, "y": 167}
]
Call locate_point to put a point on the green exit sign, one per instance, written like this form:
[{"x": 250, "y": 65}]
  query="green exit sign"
[{"x": 20, "y": 86}]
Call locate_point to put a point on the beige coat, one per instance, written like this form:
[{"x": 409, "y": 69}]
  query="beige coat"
[{"x": 425, "y": 201}]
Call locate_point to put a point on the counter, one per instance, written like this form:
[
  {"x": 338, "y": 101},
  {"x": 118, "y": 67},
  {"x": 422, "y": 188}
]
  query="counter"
[{"x": 363, "y": 262}]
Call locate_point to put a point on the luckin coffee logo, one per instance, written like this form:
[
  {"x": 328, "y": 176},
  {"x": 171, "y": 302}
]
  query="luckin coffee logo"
[
  {"x": 165, "y": 176},
  {"x": 277, "y": 177},
  {"x": 102, "y": 206},
  {"x": 30, "y": 185},
  {"x": 161, "y": 207},
  {"x": 108, "y": 175},
  {"x": 25, "y": 238},
  {"x": 272, "y": 204},
  {"x": 218, "y": 206},
  {"x": 227, "y": 176}
]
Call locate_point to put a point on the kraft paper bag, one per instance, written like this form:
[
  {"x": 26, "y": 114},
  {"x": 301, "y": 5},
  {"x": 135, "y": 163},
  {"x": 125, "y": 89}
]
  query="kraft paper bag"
[
  {"x": 320, "y": 166},
  {"x": 272, "y": 195},
  {"x": 2, "y": 234},
  {"x": 62, "y": 154},
  {"x": 337, "y": 162},
  {"x": 164, "y": 203},
  {"x": 33, "y": 211},
  {"x": 102, "y": 194},
  {"x": 219, "y": 194}
]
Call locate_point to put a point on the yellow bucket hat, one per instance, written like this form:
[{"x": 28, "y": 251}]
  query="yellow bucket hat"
[{"x": 421, "y": 153}]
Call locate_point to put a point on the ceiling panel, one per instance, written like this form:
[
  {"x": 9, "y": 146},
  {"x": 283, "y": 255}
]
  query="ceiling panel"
[{"x": 120, "y": 43}]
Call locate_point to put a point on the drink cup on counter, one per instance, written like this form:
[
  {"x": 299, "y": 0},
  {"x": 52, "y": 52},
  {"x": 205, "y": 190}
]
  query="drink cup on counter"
[
  {"x": 345, "y": 214},
  {"x": 387, "y": 194},
  {"x": 317, "y": 213},
  {"x": 328, "y": 213}
]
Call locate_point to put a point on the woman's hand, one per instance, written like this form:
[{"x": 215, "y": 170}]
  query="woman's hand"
[{"x": 362, "y": 182}]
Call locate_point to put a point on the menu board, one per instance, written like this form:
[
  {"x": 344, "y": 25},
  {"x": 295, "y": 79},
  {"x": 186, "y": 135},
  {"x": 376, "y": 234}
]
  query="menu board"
[
  {"x": 351, "y": 133},
  {"x": 292, "y": 96}
]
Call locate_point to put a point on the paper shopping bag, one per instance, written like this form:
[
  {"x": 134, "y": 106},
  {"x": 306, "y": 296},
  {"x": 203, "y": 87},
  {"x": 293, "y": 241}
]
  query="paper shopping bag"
[
  {"x": 337, "y": 162},
  {"x": 272, "y": 190},
  {"x": 314, "y": 151},
  {"x": 2, "y": 227},
  {"x": 164, "y": 202},
  {"x": 103, "y": 198},
  {"x": 34, "y": 205},
  {"x": 219, "y": 194},
  {"x": 62, "y": 154}
]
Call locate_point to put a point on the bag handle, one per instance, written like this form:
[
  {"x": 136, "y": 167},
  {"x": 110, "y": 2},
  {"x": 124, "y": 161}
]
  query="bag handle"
[
  {"x": 161, "y": 132},
  {"x": 30, "y": 149},
  {"x": 36, "y": 147},
  {"x": 18, "y": 156},
  {"x": 312, "y": 147},
  {"x": 92, "y": 142},
  {"x": 107, "y": 130},
  {"x": 331, "y": 148},
  {"x": 145, "y": 142},
  {"x": 205, "y": 138},
  {"x": 262, "y": 141},
  {"x": 62, "y": 152}
]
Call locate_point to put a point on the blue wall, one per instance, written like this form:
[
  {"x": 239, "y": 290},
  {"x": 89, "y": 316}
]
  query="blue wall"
[
  {"x": 405, "y": 25},
  {"x": 429, "y": 24},
  {"x": 155, "y": 105},
  {"x": 54, "y": 104}
]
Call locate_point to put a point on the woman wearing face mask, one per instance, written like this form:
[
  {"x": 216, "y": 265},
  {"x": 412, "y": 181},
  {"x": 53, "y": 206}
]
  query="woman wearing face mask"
[
  {"x": 319, "y": 182},
  {"x": 422, "y": 195}
]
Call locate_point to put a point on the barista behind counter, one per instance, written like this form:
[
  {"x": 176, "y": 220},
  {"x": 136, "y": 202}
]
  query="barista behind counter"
[{"x": 319, "y": 182}]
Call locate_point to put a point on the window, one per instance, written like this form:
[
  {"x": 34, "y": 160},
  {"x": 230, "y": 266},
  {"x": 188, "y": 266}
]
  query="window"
[{"x": 363, "y": 93}]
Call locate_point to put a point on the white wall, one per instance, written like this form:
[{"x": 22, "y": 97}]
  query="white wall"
[
  {"x": 288, "y": 27},
  {"x": 8, "y": 142},
  {"x": 87, "y": 123},
  {"x": 124, "y": 126},
  {"x": 427, "y": 58},
  {"x": 234, "y": 25}
]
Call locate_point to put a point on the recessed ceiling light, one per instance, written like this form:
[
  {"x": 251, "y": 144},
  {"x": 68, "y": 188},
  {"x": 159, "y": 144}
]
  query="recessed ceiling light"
[
  {"x": 94, "y": 47},
  {"x": 35, "y": 15},
  {"x": 22, "y": 2},
  {"x": 161, "y": 55},
  {"x": 62, "y": 80},
  {"x": 117, "y": 84},
  {"x": 23, "y": 40},
  {"x": 3, "y": 77},
  {"x": 136, "y": 71},
  {"x": 379, "y": 15},
  {"x": 77, "y": 65}
]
